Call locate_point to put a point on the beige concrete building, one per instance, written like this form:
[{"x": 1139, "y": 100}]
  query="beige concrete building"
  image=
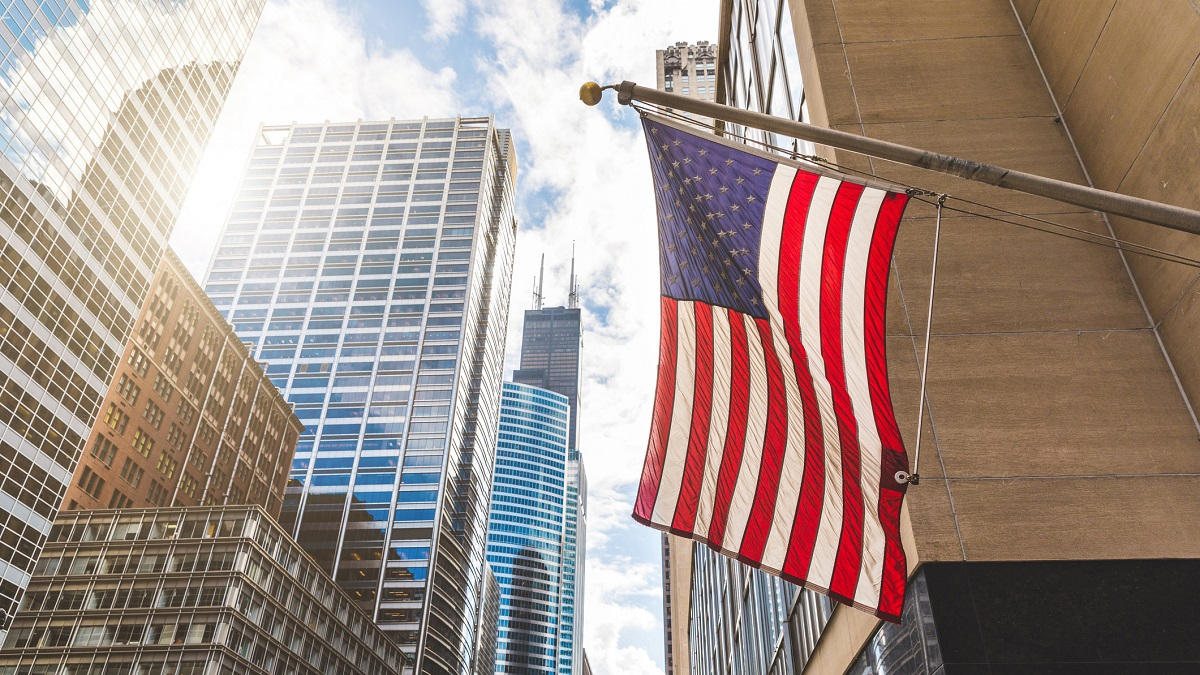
[{"x": 1057, "y": 522}]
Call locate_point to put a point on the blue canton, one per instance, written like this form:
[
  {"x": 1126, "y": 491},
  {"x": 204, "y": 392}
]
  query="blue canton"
[{"x": 710, "y": 214}]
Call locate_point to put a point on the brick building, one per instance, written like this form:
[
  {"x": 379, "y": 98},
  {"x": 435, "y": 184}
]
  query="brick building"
[{"x": 189, "y": 418}]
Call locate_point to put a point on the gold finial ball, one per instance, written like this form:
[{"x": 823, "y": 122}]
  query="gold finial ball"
[{"x": 590, "y": 93}]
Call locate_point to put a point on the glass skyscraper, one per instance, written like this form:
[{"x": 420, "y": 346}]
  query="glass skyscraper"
[
  {"x": 550, "y": 349},
  {"x": 368, "y": 265},
  {"x": 532, "y": 538},
  {"x": 106, "y": 108}
]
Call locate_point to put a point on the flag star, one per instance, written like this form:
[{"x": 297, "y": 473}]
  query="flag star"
[
  {"x": 703, "y": 153},
  {"x": 692, "y": 208},
  {"x": 670, "y": 216},
  {"x": 670, "y": 174},
  {"x": 680, "y": 233},
  {"x": 713, "y": 243},
  {"x": 661, "y": 157},
  {"x": 654, "y": 130},
  {"x": 687, "y": 160},
  {"x": 694, "y": 251},
  {"x": 674, "y": 278},
  {"x": 746, "y": 271},
  {"x": 695, "y": 282},
  {"x": 739, "y": 281},
  {"x": 698, "y": 197},
  {"x": 712, "y": 172},
  {"x": 746, "y": 226},
  {"x": 757, "y": 171},
  {"x": 751, "y": 198},
  {"x": 676, "y": 143},
  {"x": 728, "y": 262},
  {"x": 708, "y": 196},
  {"x": 671, "y": 248},
  {"x": 740, "y": 180},
  {"x": 724, "y": 189},
  {"x": 704, "y": 269},
  {"x": 734, "y": 207},
  {"x": 683, "y": 265},
  {"x": 675, "y": 164},
  {"x": 696, "y": 178},
  {"x": 678, "y": 203},
  {"x": 712, "y": 258},
  {"x": 724, "y": 276},
  {"x": 665, "y": 146},
  {"x": 720, "y": 214},
  {"x": 754, "y": 301},
  {"x": 710, "y": 216},
  {"x": 729, "y": 162}
]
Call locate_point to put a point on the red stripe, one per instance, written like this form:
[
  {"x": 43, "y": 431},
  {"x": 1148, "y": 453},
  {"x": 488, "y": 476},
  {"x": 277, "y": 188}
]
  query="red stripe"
[
  {"x": 735, "y": 436},
  {"x": 758, "y": 526},
  {"x": 693, "y": 471},
  {"x": 660, "y": 426},
  {"x": 812, "y": 491},
  {"x": 891, "y": 493},
  {"x": 833, "y": 268}
]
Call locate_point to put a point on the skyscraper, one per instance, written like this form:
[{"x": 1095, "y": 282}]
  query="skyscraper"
[
  {"x": 369, "y": 265},
  {"x": 551, "y": 341},
  {"x": 190, "y": 418},
  {"x": 531, "y": 534},
  {"x": 551, "y": 346},
  {"x": 107, "y": 106}
]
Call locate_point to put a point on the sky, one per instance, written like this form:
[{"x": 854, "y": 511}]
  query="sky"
[{"x": 583, "y": 179}]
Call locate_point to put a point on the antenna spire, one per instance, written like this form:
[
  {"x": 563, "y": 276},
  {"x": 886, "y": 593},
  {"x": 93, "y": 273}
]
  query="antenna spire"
[
  {"x": 573, "y": 295},
  {"x": 537, "y": 291}
]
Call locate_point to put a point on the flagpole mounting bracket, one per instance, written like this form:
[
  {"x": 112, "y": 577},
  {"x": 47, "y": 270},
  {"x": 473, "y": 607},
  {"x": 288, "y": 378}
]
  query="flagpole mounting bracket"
[{"x": 906, "y": 478}]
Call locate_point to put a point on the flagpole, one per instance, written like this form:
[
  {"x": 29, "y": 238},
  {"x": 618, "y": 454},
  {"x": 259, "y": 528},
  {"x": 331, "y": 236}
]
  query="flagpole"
[{"x": 1145, "y": 210}]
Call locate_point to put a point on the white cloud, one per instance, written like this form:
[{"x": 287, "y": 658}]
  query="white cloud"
[
  {"x": 308, "y": 61},
  {"x": 444, "y": 16}
]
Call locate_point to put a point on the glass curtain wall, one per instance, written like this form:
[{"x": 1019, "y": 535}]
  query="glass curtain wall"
[{"x": 368, "y": 265}]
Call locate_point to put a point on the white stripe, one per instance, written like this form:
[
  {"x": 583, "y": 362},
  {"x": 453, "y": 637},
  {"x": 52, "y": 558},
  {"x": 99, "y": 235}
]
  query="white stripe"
[
  {"x": 855, "y": 358},
  {"x": 811, "y": 258},
  {"x": 792, "y": 472},
  {"x": 681, "y": 414},
  {"x": 718, "y": 425},
  {"x": 756, "y": 429}
]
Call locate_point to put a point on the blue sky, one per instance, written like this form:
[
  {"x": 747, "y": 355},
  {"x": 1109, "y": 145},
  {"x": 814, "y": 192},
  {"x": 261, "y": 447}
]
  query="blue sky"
[{"x": 583, "y": 178}]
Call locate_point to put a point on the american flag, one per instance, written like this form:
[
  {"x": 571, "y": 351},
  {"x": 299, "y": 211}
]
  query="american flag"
[{"x": 773, "y": 439}]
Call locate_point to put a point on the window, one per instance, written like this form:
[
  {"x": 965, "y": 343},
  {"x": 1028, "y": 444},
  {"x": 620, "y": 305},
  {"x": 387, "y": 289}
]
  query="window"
[
  {"x": 119, "y": 501},
  {"x": 128, "y": 389},
  {"x": 175, "y": 436},
  {"x": 153, "y": 414},
  {"x": 167, "y": 464},
  {"x": 104, "y": 450},
  {"x": 188, "y": 485},
  {"x": 115, "y": 418},
  {"x": 90, "y": 482},
  {"x": 162, "y": 387},
  {"x": 132, "y": 473},
  {"x": 157, "y": 493},
  {"x": 139, "y": 362},
  {"x": 142, "y": 443}
]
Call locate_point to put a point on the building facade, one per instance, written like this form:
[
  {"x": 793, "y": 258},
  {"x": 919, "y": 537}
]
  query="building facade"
[
  {"x": 369, "y": 266},
  {"x": 190, "y": 418},
  {"x": 530, "y": 531},
  {"x": 489, "y": 624},
  {"x": 1058, "y": 499},
  {"x": 551, "y": 345},
  {"x": 201, "y": 590},
  {"x": 107, "y": 107},
  {"x": 688, "y": 70},
  {"x": 551, "y": 358}
]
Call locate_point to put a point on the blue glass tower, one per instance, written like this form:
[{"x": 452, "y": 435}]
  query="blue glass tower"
[
  {"x": 530, "y": 538},
  {"x": 367, "y": 265}
]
